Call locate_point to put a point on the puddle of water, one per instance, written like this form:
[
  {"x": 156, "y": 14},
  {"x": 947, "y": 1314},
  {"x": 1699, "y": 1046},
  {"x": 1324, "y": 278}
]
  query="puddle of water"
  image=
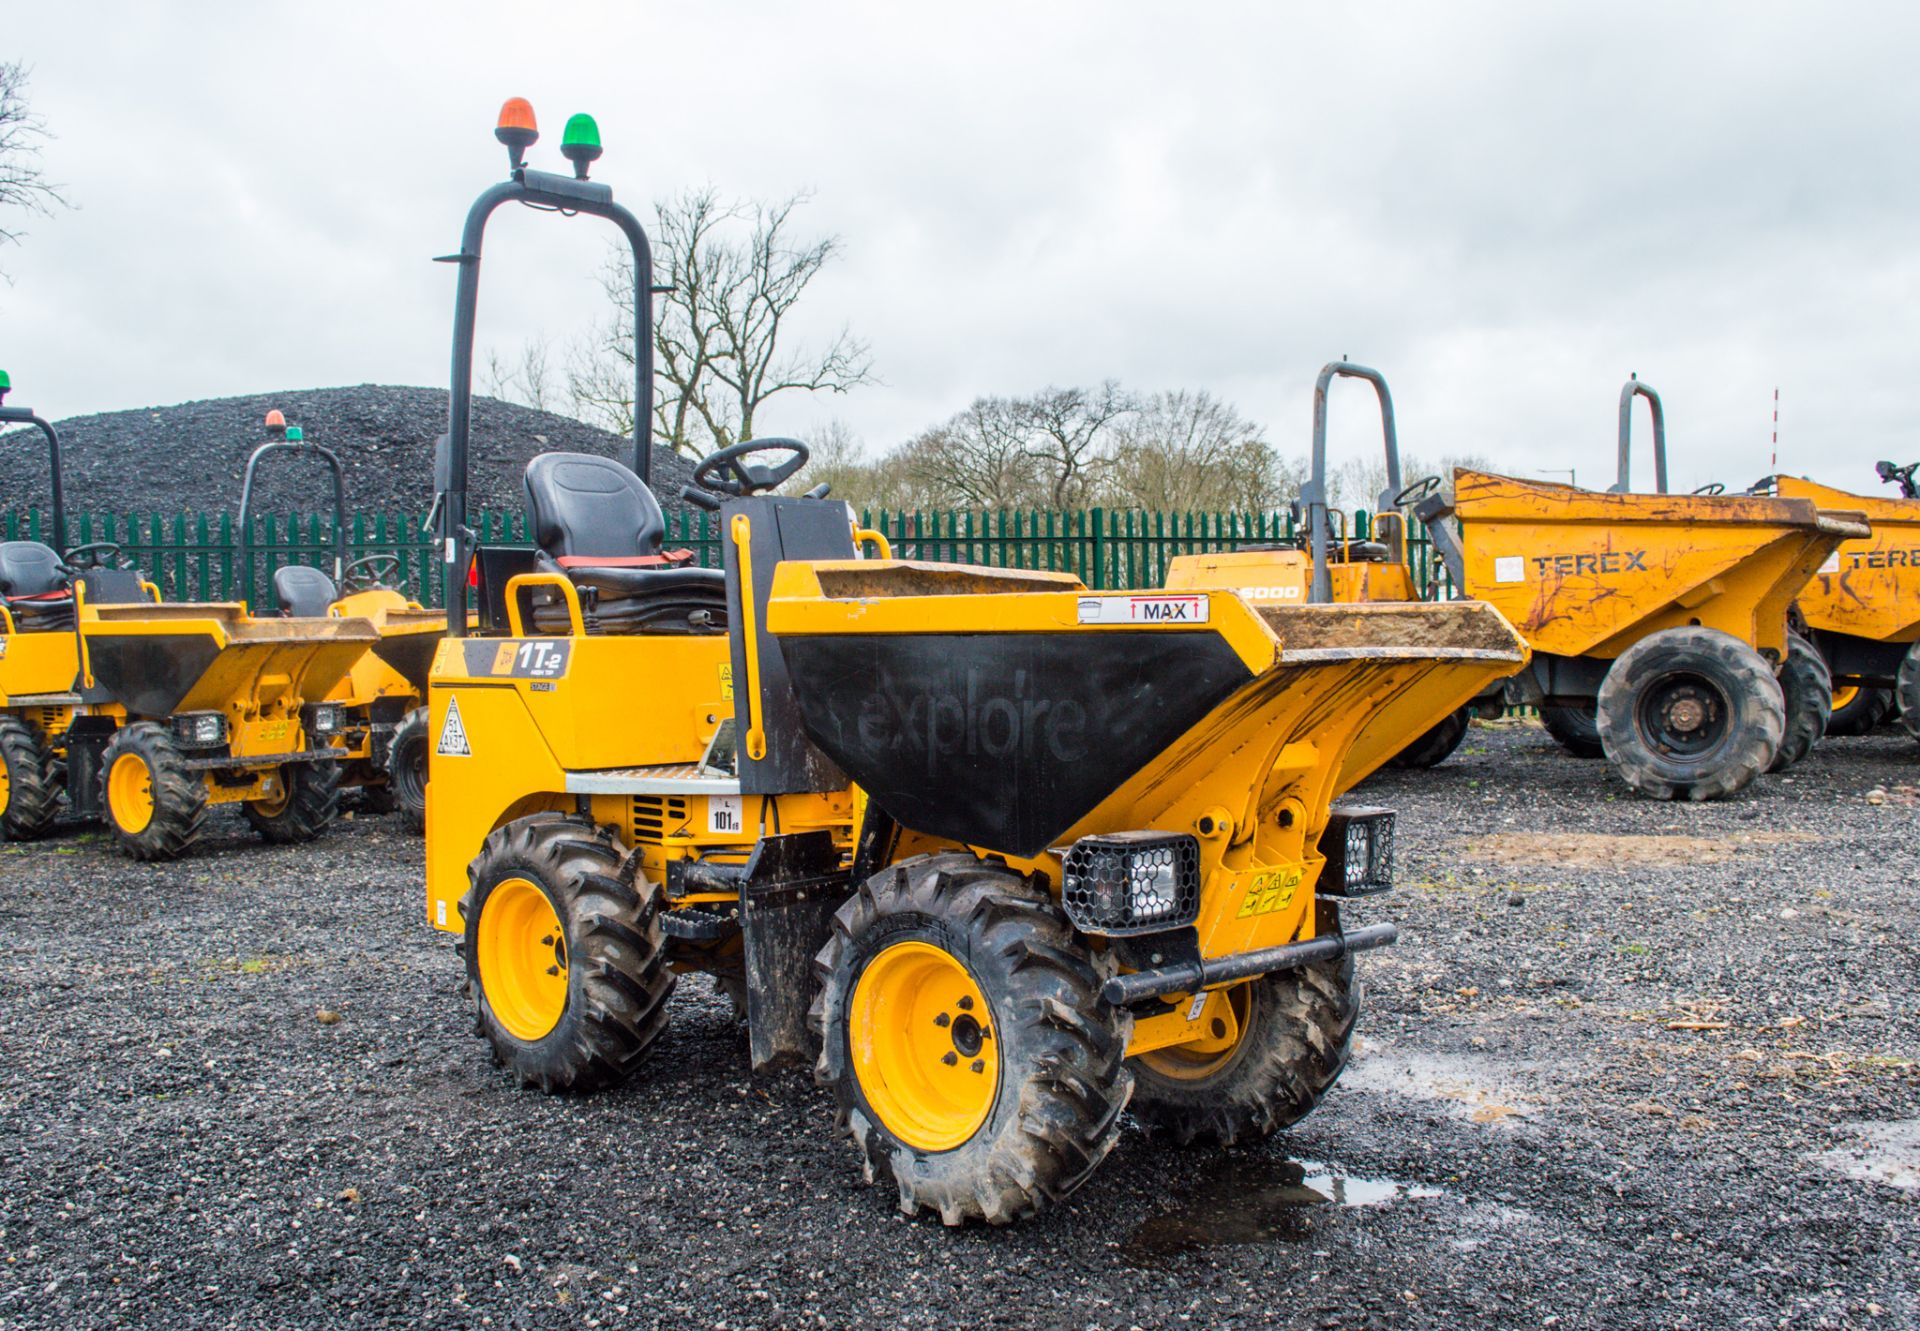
[
  {"x": 1476, "y": 1089},
  {"x": 1258, "y": 1199},
  {"x": 1886, "y": 1153}
]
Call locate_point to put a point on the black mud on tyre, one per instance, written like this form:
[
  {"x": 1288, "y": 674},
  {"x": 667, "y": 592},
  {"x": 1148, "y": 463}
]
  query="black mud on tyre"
[
  {"x": 1861, "y": 712},
  {"x": 408, "y": 753},
  {"x": 1436, "y": 745},
  {"x": 990, "y": 1086},
  {"x": 1906, "y": 691},
  {"x": 29, "y": 782},
  {"x": 155, "y": 807},
  {"x": 1296, "y": 1032},
  {"x": 1808, "y": 687},
  {"x": 566, "y": 959},
  {"x": 1576, "y": 726},
  {"x": 1690, "y": 714},
  {"x": 308, "y": 802}
]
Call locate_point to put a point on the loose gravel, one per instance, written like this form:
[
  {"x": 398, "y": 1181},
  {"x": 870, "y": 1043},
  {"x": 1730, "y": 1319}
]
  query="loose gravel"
[
  {"x": 1665, "y": 1078},
  {"x": 191, "y": 457}
]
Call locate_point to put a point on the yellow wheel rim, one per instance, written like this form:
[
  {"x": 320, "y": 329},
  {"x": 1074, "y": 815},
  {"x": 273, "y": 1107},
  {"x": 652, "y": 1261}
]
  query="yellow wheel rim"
[
  {"x": 275, "y": 804},
  {"x": 523, "y": 959},
  {"x": 1225, "y": 1023},
  {"x": 130, "y": 793},
  {"x": 924, "y": 1046},
  {"x": 1844, "y": 694},
  {"x": 6, "y": 785}
]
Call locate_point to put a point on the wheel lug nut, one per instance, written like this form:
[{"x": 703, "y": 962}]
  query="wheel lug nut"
[
  {"x": 979, "y": 1065},
  {"x": 965, "y": 1005},
  {"x": 553, "y": 970},
  {"x": 949, "y": 1058},
  {"x": 547, "y": 941},
  {"x": 942, "y": 1020}
]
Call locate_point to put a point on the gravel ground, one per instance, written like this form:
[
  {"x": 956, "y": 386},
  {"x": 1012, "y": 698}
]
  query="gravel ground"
[
  {"x": 191, "y": 457},
  {"x": 1632, "y": 1065}
]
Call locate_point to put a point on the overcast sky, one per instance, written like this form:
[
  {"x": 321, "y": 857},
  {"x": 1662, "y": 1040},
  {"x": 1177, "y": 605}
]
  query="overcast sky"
[{"x": 1506, "y": 208}]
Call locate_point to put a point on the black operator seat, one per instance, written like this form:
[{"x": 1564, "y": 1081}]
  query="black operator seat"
[
  {"x": 34, "y": 587},
  {"x": 303, "y": 592},
  {"x": 596, "y": 522}
]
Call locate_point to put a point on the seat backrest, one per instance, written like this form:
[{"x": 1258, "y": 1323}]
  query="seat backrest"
[
  {"x": 304, "y": 592},
  {"x": 28, "y": 568},
  {"x": 584, "y": 505}
]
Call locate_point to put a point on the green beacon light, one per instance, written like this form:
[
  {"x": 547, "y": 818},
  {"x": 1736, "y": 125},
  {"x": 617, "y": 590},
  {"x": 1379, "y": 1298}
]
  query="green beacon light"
[
  {"x": 295, "y": 434},
  {"x": 6, "y": 385},
  {"x": 580, "y": 143}
]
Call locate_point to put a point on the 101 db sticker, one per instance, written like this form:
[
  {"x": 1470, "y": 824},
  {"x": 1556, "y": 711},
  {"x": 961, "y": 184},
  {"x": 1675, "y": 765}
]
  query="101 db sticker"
[{"x": 1143, "y": 609}]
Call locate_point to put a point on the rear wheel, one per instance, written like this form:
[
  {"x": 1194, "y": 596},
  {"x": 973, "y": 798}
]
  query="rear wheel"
[
  {"x": 1576, "y": 726},
  {"x": 1807, "y": 685},
  {"x": 407, "y": 755},
  {"x": 155, "y": 805},
  {"x": 309, "y": 800},
  {"x": 29, "y": 782},
  {"x": 1436, "y": 745},
  {"x": 1690, "y": 713},
  {"x": 963, "y": 1033},
  {"x": 1858, "y": 709},
  {"x": 1292, "y": 1033},
  {"x": 1906, "y": 691},
  {"x": 566, "y": 960}
]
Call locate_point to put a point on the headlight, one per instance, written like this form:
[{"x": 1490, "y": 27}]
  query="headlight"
[
  {"x": 1358, "y": 845},
  {"x": 324, "y": 718},
  {"x": 1131, "y": 882},
  {"x": 200, "y": 729}
]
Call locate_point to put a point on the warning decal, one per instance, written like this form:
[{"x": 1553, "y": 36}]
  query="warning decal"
[{"x": 453, "y": 734}]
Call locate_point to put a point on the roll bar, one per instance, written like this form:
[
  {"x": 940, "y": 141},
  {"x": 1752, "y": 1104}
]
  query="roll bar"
[
  {"x": 27, "y": 416},
  {"x": 1313, "y": 495},
  {"x": 548, "y": 192},
  {"x": 332, "y": 460},
  {"x": 1628, "y": 391}
]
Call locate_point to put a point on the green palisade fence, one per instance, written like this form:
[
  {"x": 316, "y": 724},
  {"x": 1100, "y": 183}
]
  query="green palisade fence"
[{"x": 198, "y": 556}]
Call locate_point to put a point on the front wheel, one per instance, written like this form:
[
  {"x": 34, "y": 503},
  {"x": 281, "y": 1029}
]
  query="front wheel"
[
  {"x": 1906, "y": 691},
  {"x": 1291, "y": 1033},
  {"x": 407, "y": 757},
  {"x": 1807, "y": 685},
  {"x": 1690, "y": 714},
  {"x": 566, "y": 959},
  {"x": 1436, "y": 745},
  {"x": 307, "y": 802},
  {"x": 155, "y": 804},
  {"x": 962, "y": 1031},
  {"x": 29, "y": 782}
]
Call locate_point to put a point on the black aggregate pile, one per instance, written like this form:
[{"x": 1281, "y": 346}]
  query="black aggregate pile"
[
  {"x": 1631, "y": 1065},
  {"x": 191, "y": 457}
]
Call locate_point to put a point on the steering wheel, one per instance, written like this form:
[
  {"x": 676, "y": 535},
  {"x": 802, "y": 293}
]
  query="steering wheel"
[
  {"x": 370, "y": 572},
  {"x": 1712, "y": 488},
  {"x": 729, "y": 473},
  {"x": 99, "y": 554},
  {"x": 1420, "y": 489}
]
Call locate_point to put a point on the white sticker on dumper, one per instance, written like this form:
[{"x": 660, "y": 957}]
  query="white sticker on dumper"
[
  {"x": 723, "y": 814},
  {"x": 1143, "y": 609},
  {"x": 1510, "y": 568},
  {"x": 1833, "y": 563}
]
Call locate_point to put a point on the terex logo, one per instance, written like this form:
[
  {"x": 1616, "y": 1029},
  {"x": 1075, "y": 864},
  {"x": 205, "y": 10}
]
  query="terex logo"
[
  {"x": 1884, "y": 558},
  {"x": 982, "y": 723},
  {"x": 1607, "y": 561}
]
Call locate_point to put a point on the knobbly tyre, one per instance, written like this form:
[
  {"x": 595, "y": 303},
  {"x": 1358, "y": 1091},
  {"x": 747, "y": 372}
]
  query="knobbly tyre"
[
  {"x": 1324, "y": 564},
  {"x": 999, "y": 855},
  {"x": 1659, "y": 623},
  {"x": 1862, "y": 609},
  {"x": 382, "y": 738},
  {"x": 149, "y": 714}
]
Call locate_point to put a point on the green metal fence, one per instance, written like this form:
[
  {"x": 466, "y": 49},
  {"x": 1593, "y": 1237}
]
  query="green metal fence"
[{"x": 198, "y": 557}]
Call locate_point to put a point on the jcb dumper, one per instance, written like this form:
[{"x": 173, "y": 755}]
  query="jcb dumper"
[
  {"x": 999, "y": 856},
  {"x": 1325, "y": 565},
  {"x": 1663, "y": 616},
  {"x": 1862, "y": 608}
]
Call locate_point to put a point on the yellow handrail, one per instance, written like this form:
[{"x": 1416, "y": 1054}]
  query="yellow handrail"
[
  {"x": 742, "y": 532},
  {"x": 519, "y": 582},
  {"x": 868, "y": 536}
]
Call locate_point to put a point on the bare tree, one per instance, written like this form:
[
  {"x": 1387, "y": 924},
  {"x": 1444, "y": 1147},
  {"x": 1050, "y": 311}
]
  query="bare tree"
[
  {"x": 980, "y": 458},
  {"x": 1188, "y": 450},
  {"x": 24, "y": 187},
  {"x": 527, "y": 378},
  {"x": 1070, "y": 437},
  {"x": 723, "y": 337}
]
